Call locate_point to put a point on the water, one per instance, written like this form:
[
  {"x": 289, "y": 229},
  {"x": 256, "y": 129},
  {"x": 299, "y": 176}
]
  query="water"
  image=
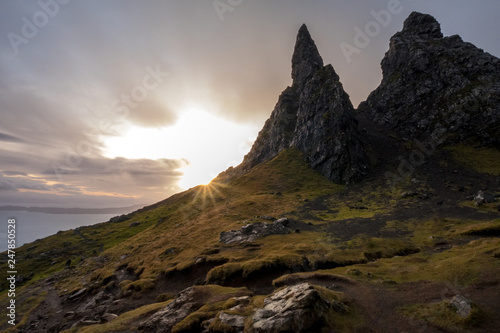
[{"x": 31, "y": 226}]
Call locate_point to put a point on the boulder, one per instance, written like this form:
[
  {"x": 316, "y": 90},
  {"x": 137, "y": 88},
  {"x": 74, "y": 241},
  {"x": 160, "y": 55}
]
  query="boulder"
[
  {"x": 106, "y": 317},
  {"x": 483, "y": 197},
  {"x": 299, "y": 308},
  {"x": 237, "y": 322},
  {"x": 253, "y": 231},
  {"x": 462, "y": 305},
  {"x": 164, "y": 320}
]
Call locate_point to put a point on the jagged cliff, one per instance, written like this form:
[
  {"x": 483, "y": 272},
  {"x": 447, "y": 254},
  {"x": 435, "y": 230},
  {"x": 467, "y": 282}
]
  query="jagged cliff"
[
  {"x": 437, "y": 87},
  {"x": 315, "y": 116}
]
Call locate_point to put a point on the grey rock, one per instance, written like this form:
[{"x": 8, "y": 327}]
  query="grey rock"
[
  {"x": 96, "y": 303},
  {"x": 483, "y": 197},
  {"x": 462, "y": 305},
  {"x": 200, "y": 260},
  {"x": 243, "y": 300},
  {"x": 253, "y": 231},
  {"x": 437, "y": 89},
  {"x": 169, "y": 251},
  {"x": 165, "y": 319},
  {"x": 81, "y": 323},
  {"x": 78, "y": 293},
  {"x": 298, "y": 308},
  {"x": 306, "y": 60},
  {"x": 119, "y": 218},
  {"x": 282, "y": 221},
  {"x": 315, "y": 116},
  {"x": 108, "y": 317},
  {"x": 235, "y": 321}
]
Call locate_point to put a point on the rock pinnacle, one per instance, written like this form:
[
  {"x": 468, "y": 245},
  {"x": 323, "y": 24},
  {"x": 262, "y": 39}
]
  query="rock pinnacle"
[
  {"x": 306, "y": 59},
  {"x": 423, "y": 25}
]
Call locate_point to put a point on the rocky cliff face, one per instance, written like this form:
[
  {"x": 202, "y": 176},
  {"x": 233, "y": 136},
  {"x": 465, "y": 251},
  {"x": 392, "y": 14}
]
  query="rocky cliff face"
[
  {"x": 315, "y": 116},
  {"x": 437, "y": 87}
]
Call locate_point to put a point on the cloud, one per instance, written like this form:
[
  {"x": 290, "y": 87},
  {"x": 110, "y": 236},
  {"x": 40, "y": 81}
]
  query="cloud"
[
  {"x": 24, "y": 183},
  {"x": 152, "y": 113},
  {"x": 62, "y": 94},
  {"x": 9, "y": 138}
]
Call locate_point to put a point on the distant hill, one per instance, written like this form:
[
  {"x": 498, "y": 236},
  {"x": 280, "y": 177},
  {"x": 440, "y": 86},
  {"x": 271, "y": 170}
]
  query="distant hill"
[{"x": 60, "y": 210}]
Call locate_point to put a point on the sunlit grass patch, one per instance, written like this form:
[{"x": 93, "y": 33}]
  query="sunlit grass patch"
[
  {"x": 462, "y": 263},
  {"x": 443, "y": 315},
  {"x": 126, "y": 321},
  {"x": 484, "y": 160}
]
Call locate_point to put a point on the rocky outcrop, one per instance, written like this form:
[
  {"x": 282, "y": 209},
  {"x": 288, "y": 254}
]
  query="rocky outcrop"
[
  {"x": 253, "y": 231},
  {"x": 164, "y": 320},
  {"x": 315, "y": 116},
  {"x": 483, "y": 197},
  {"x": 299, "y": 308},
  {"x": 462, "y": 305},
  {"x": 436, "y": 88}
]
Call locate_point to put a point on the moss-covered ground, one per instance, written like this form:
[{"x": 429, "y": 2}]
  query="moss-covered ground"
[{"x": 378, "y": 237}]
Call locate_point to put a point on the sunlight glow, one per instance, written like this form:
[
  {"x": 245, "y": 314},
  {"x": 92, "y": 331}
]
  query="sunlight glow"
[{"x": 208, "y": 143}]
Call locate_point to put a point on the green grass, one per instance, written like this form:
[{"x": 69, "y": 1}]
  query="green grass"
[
  {"x": 126, "y": 321},
  {"x": 340, "y": 322},
  {"x": 25, "y": 305},
  {"x": 463, "y": 264},
  {"x": 484, "y": 160},
  {"x": 444, "y": 316},
  {"x": 215, "y": 299},
  {"x": 174, "y": 233}
]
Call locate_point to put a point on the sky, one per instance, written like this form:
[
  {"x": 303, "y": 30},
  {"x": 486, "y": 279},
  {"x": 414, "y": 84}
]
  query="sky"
[{"x": 117, "y": 103}]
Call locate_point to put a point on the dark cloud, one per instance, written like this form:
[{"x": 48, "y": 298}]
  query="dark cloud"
[
  {"x": 12, "y": 173},
  {"x": 9, "y": 138},
  {"x": 25, "y": 183}
]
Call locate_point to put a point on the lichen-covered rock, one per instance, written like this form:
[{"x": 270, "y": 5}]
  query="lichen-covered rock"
[
  {"x": 438, "y": 89},
  {"x": 483, "y": 197},
  {"x": 164, "y": 320},
  {"x": 252, "y": 231},
  {"x": 237, "y": 322},
  {"x": 462, "y": 305},
  {"x": 306, "y": 60},
  {"x": 315, "y": 116},
  {"x": 299, "y": 308}
]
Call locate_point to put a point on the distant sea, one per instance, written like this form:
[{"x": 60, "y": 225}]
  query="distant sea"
[{"x": 31, "y": 226}]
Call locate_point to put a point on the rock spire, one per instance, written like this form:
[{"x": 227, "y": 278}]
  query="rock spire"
[
  {"x": 315, "y": 116},
  {"x": 437, "y": 89}
]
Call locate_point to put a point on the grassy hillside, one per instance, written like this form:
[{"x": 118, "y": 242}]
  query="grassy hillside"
[{"x": 367, "y": 240}]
